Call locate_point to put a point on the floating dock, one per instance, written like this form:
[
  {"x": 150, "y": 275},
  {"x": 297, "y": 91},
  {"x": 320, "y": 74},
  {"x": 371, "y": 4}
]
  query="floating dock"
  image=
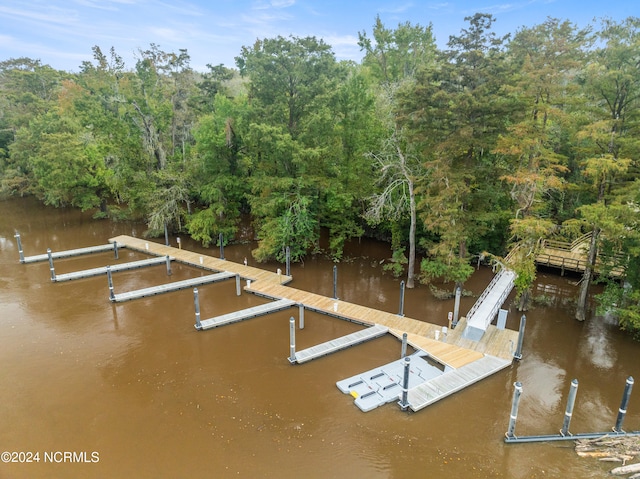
[
  {"x": 429, "y": 381},
  {"x": 88, "y": 273},
  {"x": 340, "y": 343},
  {"x": 169, "y": 287},
  {"x": 246, "y": 314},
  {"x": 464, "y": 360},
  {"x": 382, "y": 385},
  {"x": 70, "y": 253},
  {"x": 453, "y": 381}
]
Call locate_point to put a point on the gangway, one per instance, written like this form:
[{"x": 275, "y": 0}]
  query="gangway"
[{"x": 486, "y": 307}]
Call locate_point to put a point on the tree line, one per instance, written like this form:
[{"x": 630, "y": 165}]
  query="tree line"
[{"x": 482, "y": 148}]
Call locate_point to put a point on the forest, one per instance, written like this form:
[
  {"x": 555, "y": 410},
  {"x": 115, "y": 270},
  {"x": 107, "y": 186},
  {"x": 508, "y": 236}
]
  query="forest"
[{"x": 452, "y": 155}]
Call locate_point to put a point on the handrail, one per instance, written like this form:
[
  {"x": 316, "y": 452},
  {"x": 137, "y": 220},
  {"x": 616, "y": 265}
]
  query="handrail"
[
  {"x": 485, "y": 293},
  {"x": 565, "y": 245}
]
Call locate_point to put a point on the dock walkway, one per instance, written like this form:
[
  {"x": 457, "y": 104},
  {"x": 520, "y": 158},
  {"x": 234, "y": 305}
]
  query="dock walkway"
[
  {"x": 470, "y": 360},
  {"x": 70, "y": 253},
  {"x": 453, "y": 381},
  {"x": 168, "y": 287},
  {"x": 246, "y": 314},
  {"x": 340, "y": 343},
  {"x": 88, "y": 273}
]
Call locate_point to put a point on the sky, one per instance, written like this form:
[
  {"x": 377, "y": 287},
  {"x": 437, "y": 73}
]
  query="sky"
[{"x": 61, "y": 33}]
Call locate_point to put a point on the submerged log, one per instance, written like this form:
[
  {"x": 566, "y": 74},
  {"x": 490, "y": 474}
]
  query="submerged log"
[{"x": 628, "y": 469}]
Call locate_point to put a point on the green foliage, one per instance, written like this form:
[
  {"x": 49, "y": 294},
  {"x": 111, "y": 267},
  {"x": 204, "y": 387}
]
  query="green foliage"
[
  {"x": 397, "y": 263},
  {"x": 457, "y": 270},
  {"x": 296, "y": 228},
  {"x": 486, "y": 145}
]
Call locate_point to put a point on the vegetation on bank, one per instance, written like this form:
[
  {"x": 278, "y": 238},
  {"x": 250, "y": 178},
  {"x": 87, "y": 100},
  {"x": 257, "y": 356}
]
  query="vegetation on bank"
[{"x": 478, "y": 149}]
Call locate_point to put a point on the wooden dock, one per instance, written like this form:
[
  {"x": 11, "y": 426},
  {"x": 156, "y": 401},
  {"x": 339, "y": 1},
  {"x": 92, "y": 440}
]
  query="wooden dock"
[
  {"x": 246, "y": 314},
  {"x": 340, "y": 343},
  {"x": 88, "y": 273},
  {"x": 492, "y": 352},
  {"x": 169, "y": 287},
  {"x": 70, "y": 253},
  {"x": 455, "y": 351}
]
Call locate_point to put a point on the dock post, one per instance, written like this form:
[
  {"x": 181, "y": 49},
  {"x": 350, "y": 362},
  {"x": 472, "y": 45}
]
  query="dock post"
[
  {"x": 196, "y": 302},
  {"x": 20, "y": 251},
  {"x": 115, "y": 249},
  {"x": 404, "y": 345},
  {"x": 288, "y": 255},
  {"x": 569, "y": 411},
  {"x": 401, "y": 312},
  {"x": 404, "y": 403},
  {"x": 238, "y": 289},
  {"x": 221, "y": 240},
  {"x": 53, "y": 271},
  {"x": 301, "y": 315},
  {"x": 292, "y": 340},
  {"x": 335, "y": 282},
  {"x": 168, "y": 266},
  {"x": 514, "y": 408},
  {"x": 623, "y": 405},
  {"x": 518, "y": 354},
  {"x": 112, "y": 297},
  {"x": 166, "y": 235},
  {"x": 456, "y": 307}
]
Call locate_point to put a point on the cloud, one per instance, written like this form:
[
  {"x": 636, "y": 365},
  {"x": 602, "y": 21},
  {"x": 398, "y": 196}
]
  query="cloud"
[{"x": 397, "y": 8}]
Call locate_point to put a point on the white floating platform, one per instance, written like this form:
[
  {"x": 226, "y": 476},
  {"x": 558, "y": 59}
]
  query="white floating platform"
[
  {"x": 246, "y": 314},
  {"x": 88, "y": 273},
  {"x": 383, "y": 385},
  {"x": 70, "y": 253},
  {"x": 342, "y": 342},
  {"x": 168, "y": 287}
]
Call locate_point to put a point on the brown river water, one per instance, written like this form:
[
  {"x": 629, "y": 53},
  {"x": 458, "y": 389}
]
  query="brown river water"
[{"x": 93, "y": 389}]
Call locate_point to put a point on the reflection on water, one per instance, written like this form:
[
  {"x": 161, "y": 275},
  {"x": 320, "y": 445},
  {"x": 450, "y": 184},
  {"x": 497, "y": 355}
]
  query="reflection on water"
[
  {"x": 156, "y": 398},
  {"x": 597, "y": 346}
]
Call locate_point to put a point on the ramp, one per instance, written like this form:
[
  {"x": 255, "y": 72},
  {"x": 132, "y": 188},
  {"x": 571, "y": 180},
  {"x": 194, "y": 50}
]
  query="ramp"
[
  {"x": 246, "y": 314},
  {"x": 486, "y": 307},
  {"x": 169, "y": 287},
  {"x": 340, "y": 343}
]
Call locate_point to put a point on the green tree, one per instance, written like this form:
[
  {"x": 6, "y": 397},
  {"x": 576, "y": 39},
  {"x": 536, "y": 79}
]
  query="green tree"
[
  {"x": 217, "y": 174},
  {"x": 65, "y": 160},
  {"x": 608, "y": 140},
  {"x": 546, "y": 58},
  {"x": 291, "y": 85},
  {"x": 28, "y": 89},
  {"x": 394, "y": 59}
]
